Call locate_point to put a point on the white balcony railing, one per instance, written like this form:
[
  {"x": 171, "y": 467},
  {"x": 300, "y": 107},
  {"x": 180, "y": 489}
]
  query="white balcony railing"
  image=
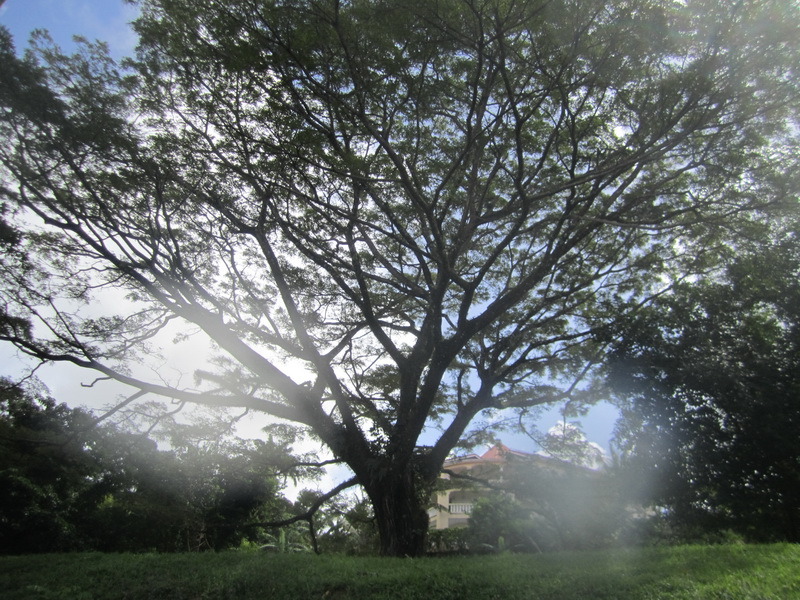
[{"x": 461, "y": 508}]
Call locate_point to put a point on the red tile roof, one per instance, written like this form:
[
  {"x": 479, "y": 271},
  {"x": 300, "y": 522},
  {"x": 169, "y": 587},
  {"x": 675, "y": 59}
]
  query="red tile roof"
[{"x": 499, "y": 452}]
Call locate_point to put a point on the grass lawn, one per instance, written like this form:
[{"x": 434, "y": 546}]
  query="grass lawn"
[{"x": 713, "y": 572}]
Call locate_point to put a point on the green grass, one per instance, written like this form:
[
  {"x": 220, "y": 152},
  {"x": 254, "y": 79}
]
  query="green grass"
[{"x": 708, "y": 572}]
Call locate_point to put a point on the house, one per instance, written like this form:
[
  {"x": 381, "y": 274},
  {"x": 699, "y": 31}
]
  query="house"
[{"x": 464, "y": 478}]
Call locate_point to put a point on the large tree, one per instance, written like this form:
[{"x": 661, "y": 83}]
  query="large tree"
[
  {"x": 423, "y": 208},
  {"x": 709, "y": 378}
]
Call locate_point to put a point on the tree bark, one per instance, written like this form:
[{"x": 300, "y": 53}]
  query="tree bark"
[{"x": 399, "y": 501}]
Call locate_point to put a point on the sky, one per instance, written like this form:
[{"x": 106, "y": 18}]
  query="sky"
[
  {"x": 105, "y": 20},
  {"x": 108, "y": 21}
]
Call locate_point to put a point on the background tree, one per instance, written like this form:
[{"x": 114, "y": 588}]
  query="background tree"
[
  {"x": 70, "y": 484},
  {"x": 383, "y": 214},
  {"x": 549, "y": 504},
  {"x": 48, "y": 478},
  {"x": 571, "y": 507},
  {"x": 710, "y": 377},
  {"x": 199, "y": 496},
  {"x": 344, "y": 524},
  {"x": 500, "y": 523}
]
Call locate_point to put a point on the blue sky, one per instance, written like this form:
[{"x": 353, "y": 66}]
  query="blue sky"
[{"x": 107, "y": 20}]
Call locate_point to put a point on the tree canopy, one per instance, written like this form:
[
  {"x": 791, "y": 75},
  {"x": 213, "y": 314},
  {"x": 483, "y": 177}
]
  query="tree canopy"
[
  {"x": 68, "y": 483},
  {"x": 387, "y": 217},
  {"x": 710, "y": 382}
]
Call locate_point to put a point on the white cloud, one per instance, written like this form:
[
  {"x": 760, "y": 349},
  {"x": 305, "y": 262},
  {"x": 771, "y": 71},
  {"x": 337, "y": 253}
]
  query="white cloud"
[{"x": 105, "y": 21}]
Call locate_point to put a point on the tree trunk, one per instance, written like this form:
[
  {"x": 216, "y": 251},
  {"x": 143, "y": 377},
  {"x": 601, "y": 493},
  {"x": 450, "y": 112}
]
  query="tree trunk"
[{"x": 400, "y": 514}]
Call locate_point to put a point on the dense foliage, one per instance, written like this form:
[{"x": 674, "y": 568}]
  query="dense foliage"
[
  {"x": 67, "y": 484},
  {"x": 385, "y": 216},
  {"x": 555, "y": 508},
  {"x": 710, "y": 377}
]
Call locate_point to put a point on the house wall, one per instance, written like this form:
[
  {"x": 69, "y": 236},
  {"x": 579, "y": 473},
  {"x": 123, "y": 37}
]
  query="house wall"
[
  {"x": 452, "y": 508},
  {"x": 453, "y": 503}
]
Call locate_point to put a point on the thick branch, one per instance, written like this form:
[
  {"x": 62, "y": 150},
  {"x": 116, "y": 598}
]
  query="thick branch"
[{"x": 315, "y": 506}]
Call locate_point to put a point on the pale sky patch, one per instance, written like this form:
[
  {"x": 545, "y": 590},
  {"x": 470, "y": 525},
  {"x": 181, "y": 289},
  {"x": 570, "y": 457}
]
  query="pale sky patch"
[{"x": 104, "y": 20}]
